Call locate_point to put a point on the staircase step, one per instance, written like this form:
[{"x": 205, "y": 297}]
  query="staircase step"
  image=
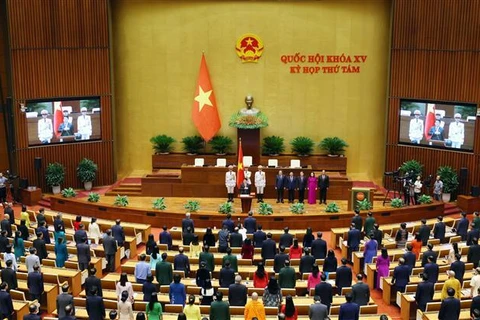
[
  {"x": 126, "y": 189},
  {"x": 127, "y": 193}
]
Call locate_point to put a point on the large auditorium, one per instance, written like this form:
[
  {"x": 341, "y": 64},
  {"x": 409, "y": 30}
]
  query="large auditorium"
[{"x": 255, "y": 160}]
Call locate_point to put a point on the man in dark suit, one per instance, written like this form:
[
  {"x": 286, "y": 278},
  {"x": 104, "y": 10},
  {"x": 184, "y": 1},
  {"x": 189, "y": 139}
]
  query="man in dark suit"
[
  {"x": 41, "y": 216},
  {"x": 187, "y": 222},
  {"x": 6, "y": 225},
  {"x": 306, "y": 262},
  {"x": 349, "y": 310},
  {"x": 286, "y": 239},
  {"x": 450, "y": 308},
  {"x": 287, "y": 277},
  {"x": 424, "y": 232},
  {"x": 410, "y": 257},
  {"x": 431, "y": 269},
  {"x": 93, "y": 282},
  {"x": 319, "y": 247},
  {"x": 165, "y": 238},
  {"x": 70, "y": 313},
  {"x": 280, "y": 186},
  {"x": 317, "y": 310},
  {"x": 110, "y": 248},
  {"x": 163, "y": 271},
  {"x": 43, "y": 229},
  {"x": 462, "y": 226},
  {"x": 237, "y": 293},
  {"x": 6, "y": 303},
  {"x": 343, "y": 276},
  {"x": 302, "y": 183},
  {"x": 357, "y": 220},
  {"x": 360, "y": 292},
  {"x": 474, "y": 253},
  {"x": 269, "y": 248},
  {"x": 424, "y": 293},
  {"x": 83, "y": 254},
  {"x": 11, "y": 214},
  {"x": 291, "y": 185},
  {"x": 439, "y": 230},
  {"x": 227, "y": 276},
  {"x": 57, "y": 222},
  {"x": 323, "y": 185},
  {"x": 39, "y": 244},
  {"x": 236, "y": 239},
  {"x": 187, "y": 237},
  {"x": 95, "y": 306},
  {"x": 377, "y": 234},
  {"x": 459, "y": 267},
  {"x": 401, "y": 275},
  {"x": 118, "y": 233},
  {"x": 259, "y": 237},
  {"x": 324, "y": 291},
  {"x": 33, "y": 315},
  {"x": 4, "y": 242},
  {"x": 9, "y": 276},
  {"x": 250, "y": 223},
  {"x": 474, "y": 233},
  {"x": 181, "y": 262},
  {"x": 35, "y": 283},
  {"x": 428, "y": 253},
  {"x": 279, "y": 260},
  {"x": 354, "y": 237},
  {"x": 64, "y": 299},
  {"x": 229, "y": 223},
  {"x": 80, "y": 234}
]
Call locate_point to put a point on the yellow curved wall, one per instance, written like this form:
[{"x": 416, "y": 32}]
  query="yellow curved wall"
[{"x": 157, "y": 51}]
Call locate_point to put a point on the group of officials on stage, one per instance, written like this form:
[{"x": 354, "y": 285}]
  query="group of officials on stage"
[{"x": 291, "y": 183}]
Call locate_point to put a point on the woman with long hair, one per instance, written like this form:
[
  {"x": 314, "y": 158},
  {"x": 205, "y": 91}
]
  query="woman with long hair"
[
  {"x": 155, "y": 257},
  {"x": 312, "y": 188},
  {"x": 61, "y": 252},
  {"x": 124, "y": 306},
  {"x": 191, "y": 310},
  {"x": 181, "y": 316},
  {"x": 94, "y": 230},
  {"x": 23, "y": 230},
  {"x": 295, "y": 250},
  {"x": 370, "y": 249},
  {"x": 308, "y": 238},
  {"x": 177, "y": 291},
  {"x": 207, "y": 292},
  {"x": 123, "y": 285},
  {"x": 272, "y": 296},
  {"x": 60, "y": 233},
  {"x": 209, "y": 238},
  {"x": 452, "y": 253},
  {"x": 247, "y": 249},
  {"x": 401, "y": 236},
  {"x": 154, "y": 308},
  {"x": 18, "y": 245},
  {"x": 330, "y": 263},
  {"x": 417, "y": 245},
  {"x": 383, "y": 266},
  {"x": 289, "y": 309},
  {"x": 313, "y": 278},
  {"x": 150, "y": 245},
  {"x": 195, "y": 247},
  {"x": 260, "y": 277},
  {"x": 77, "y": 223}
]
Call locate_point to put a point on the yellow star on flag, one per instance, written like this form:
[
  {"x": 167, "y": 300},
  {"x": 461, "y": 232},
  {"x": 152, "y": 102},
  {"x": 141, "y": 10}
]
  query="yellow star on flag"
[{"x": 203, "y": 98}]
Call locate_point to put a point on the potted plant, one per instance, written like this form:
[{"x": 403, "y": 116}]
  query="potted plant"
[
  {"x": 192, "y": 206},
  {"x": 226, "y": 207},
  {"x": 265, "y": 209},
  {"x": 364, "y": 204},
  {"x": 333, "y": 145},
  {"x": 273, "y": 145},
  {"x": 55, "y": 175},
  {"x": 159, "y": 204},
  {"x": 302, "y": 146},
  {"x": 192, "y": 144},
  {"x": 332, "y": 207},
  {"x": 449, "y": 178},
  {"x": 396, "y": 203},
  {"x": 413, "y": 168},
  {"x": 221, "y": 144},
  {"x": 69, "y": 193},
  {"x": 425, "y": 199},
  {"x": 162, "y": 144},
  {"x": 93, "y": 197},
  {"x": 86, "y": 172},
  {"x": 297, "y": 208},
  {"x": 121, "y": 201}
]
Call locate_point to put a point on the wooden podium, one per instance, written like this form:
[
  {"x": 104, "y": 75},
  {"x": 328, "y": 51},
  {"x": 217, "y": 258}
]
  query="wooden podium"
[
  {"x": 250, "y": 143},
  {"x": 246, "y": 203},
  {"x": 31, "y": 197}
]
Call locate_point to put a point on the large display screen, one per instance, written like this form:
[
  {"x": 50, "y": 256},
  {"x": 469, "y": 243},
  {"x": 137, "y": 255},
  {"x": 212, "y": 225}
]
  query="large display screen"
[
  {"x": 438, "y": 124},
  {"x": 63, "y": 120}
]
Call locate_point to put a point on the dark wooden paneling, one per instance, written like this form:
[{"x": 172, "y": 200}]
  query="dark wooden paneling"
[
  {"x": 61, "y": 49},
  {"x": 435, "y": 55}
]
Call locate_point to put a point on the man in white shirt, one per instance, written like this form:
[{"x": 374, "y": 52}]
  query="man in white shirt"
[
  {"x": 45, "y": 128},
  {"x": 415, "y": 131},
  {"x": 230, "y": 182},
  {"x": 260, "y": 182},
  {"x": 456, "y": 132},
  {"x": 84, "y": 124}
]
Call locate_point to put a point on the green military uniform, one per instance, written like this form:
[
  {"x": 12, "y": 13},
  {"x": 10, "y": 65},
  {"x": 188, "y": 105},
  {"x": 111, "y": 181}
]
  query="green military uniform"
[
  {"x": 368, "y": 227},
  {"x": 287, "y": 277},
  {"x": 163, "y": 272},
  {"x": 233, "y": 261},
  {"x": 209, "y": 260},
  {"x": 219, "y": 310}
]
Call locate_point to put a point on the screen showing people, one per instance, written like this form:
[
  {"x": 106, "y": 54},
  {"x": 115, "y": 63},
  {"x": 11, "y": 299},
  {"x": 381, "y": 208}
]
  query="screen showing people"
[
  {"x": 438, "y": 125},
  {"x": 63, "y": 120}
]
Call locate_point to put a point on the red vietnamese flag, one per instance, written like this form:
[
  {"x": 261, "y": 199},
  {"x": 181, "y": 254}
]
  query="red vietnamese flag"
[
  {"x": 57, "y": 117},
  {"x": 240, "y": 173},
  {"x": 429, "y": 120},
  {"x": 204, "y": 111}
]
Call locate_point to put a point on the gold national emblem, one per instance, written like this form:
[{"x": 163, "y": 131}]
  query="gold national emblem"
[{"x": 249, "y": 47}]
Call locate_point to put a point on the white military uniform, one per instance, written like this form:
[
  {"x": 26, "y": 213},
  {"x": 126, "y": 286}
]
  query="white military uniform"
[
  {"x": 456, "y": 134},
  {"x": 84, "y": 125},
  {"x": 230, "y": 181},
  {"x": 415, "y": 131},
  {"x": 45, "y": 130},
  {"x": 260, "y": 181}
]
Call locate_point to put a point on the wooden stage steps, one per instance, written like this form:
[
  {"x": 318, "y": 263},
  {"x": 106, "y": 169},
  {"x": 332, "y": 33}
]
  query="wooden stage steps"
[{"x": 126, "y": 189}]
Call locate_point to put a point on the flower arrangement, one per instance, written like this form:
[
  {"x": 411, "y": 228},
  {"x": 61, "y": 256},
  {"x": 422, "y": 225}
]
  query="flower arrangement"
[{"x": 241, "y": 121}]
